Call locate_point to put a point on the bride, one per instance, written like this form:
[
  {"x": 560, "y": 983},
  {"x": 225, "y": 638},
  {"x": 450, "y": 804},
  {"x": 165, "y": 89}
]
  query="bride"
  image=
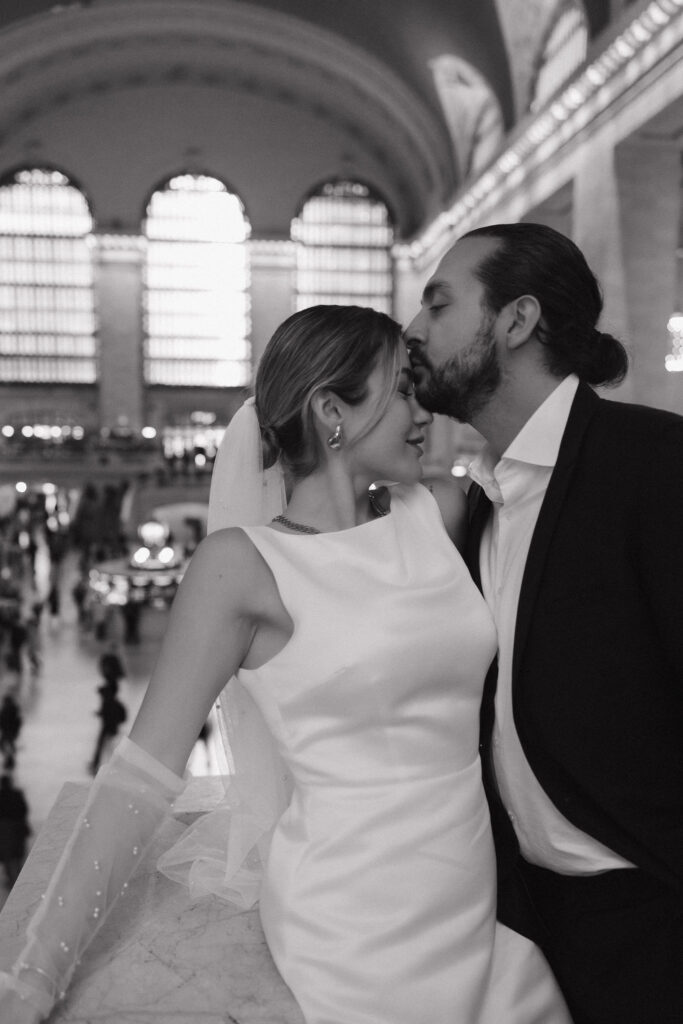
[{"x": 355, "y": 633}]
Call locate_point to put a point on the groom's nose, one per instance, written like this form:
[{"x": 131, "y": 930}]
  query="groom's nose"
[{"x": 414, "y": 334}]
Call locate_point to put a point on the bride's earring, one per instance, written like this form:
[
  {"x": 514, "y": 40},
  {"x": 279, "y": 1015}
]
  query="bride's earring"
[{"x": 335, "y": 440}]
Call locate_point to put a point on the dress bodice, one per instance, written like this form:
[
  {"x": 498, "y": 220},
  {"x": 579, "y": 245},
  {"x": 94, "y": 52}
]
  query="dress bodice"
[{"x": 382, "y": 675}]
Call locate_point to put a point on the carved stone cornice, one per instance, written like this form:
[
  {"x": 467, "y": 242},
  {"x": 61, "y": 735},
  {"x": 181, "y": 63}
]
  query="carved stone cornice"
[{"x": 649, "y": 48}]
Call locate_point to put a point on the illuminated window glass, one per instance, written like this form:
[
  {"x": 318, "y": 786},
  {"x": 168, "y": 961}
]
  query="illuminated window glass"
[
  {"x": 197, "y": 313},
  {"x": 344, "y": 238},
  {"x": 564, "y": 52},
  {"x": 47, "y": 318}
]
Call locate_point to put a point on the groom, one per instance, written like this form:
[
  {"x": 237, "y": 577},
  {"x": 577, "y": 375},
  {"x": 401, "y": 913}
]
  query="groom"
[{"x": 576, "y": 541}]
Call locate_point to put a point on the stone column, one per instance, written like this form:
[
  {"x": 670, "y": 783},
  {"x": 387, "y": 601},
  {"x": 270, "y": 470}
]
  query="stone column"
[
  {"x": 626, "y": 214},
  {"x": 597, "y": 232},
  {"x": 408, "y": 284},
  {"x": 648, "y": 177},
  {"x": 118, "y": 262},
  {"x": 273, "y": 286}
]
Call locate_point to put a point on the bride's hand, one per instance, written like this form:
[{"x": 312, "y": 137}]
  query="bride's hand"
[{"x": 12, "y": 1007}]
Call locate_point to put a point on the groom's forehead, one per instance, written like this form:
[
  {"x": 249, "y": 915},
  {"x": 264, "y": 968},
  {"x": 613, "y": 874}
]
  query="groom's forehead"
[
  {"x": 458, "y": 267},
  {"x": 451, "y": 273},
  {"x": 433, "y": 287}
]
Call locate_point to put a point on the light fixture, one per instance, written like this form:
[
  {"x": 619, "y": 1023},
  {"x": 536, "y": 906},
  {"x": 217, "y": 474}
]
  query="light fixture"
[
  {"x": 141, "y": 556},
  {"x": 153, "y": 534},
  {"x": 166, "y": 555},
  {"x": 673, "y": 361}
]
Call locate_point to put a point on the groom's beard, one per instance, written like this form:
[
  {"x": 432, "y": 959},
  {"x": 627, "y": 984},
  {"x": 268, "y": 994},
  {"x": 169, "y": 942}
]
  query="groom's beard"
[{"x": 462, "y": 386}]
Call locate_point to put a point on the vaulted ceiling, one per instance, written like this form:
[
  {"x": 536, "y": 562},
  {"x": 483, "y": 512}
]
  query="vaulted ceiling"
[{"x": 274, "y": 95}]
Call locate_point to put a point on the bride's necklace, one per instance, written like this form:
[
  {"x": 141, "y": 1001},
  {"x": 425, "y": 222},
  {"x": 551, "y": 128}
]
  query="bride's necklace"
[
  {"x": 377, "y": 510},
  {"x": 297, "y": 527}
]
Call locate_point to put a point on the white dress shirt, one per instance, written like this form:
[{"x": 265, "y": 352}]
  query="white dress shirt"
[{"x": 517, "y": 485}]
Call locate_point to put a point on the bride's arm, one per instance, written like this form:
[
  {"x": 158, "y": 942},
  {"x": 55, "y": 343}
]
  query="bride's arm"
[
  {"x": 208, "y": 634},
  {"x": 210, "y": 629}
]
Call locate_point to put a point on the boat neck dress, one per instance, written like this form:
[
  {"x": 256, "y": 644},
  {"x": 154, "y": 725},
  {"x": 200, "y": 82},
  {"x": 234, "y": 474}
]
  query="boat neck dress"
[{"x": 378, "y": 900}]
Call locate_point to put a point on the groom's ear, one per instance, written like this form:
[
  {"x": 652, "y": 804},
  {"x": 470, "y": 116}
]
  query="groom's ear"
[{"x": 524, "y": 317}]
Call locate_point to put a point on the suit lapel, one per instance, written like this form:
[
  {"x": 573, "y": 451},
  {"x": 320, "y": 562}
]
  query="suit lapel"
[
  {"x": 583, "y": 407},
  {"x": 479, "y": 509}
]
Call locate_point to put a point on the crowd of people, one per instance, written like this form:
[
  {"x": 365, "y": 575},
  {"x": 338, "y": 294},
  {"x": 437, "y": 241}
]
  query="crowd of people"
[
  {"x": 95, "y": 530},
  {"x": 34, "y": 545},
  {"x": 111, "y": 712},
  {"x": 21, "y": 609}
]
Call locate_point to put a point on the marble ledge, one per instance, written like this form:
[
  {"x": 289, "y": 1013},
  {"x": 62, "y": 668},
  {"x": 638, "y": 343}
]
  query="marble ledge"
[{"x": 160, "y": 958}]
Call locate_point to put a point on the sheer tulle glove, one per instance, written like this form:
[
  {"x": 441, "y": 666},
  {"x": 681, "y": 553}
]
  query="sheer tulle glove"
[
  {"x": 128, "y": 800},
  {"x": 19, "y": 1002}
]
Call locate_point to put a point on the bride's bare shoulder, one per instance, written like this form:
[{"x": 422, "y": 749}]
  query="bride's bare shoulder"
[
  {"x": 231, "y": 540},
  {"x": 227, "y": 560}
]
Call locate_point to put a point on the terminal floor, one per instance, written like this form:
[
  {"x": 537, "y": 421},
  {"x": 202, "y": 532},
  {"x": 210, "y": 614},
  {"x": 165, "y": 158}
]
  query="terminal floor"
[{"x": 59, "y": 704}]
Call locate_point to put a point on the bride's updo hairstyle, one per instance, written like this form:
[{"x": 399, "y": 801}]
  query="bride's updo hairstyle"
[{"x": 323, "y": 347}]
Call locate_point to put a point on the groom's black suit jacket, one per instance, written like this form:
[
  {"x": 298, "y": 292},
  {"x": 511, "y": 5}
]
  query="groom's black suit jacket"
[{"x": 598, "y": 654}]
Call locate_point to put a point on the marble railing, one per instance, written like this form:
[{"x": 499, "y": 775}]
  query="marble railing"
[{"x": 160, "y": 958}]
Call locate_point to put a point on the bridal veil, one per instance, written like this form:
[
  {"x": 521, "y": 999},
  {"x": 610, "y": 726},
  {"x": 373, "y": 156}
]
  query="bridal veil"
[{"x": 225, "y": 850}]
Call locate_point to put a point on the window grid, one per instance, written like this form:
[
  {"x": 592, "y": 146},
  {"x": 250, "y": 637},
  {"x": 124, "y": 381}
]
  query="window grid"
[
  {"x": 344, "y": 238},
  {"x": 47, "y": 314},
  {"x": 564, "y": 52},
  {"x": 197, "y": 305}
]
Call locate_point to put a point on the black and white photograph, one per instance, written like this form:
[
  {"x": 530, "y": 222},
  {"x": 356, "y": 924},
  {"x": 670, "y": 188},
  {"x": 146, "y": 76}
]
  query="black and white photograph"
[{"x": 341, "y": 492}]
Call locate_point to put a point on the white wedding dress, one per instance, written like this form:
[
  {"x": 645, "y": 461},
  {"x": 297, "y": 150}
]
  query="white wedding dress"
[
  {"x": 378, "y": 898},
  {"x": 378, "y": 901}
]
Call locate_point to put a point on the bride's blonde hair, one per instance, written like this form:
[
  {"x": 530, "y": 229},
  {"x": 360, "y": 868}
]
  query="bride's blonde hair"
[{"x": 322, "y": 347}]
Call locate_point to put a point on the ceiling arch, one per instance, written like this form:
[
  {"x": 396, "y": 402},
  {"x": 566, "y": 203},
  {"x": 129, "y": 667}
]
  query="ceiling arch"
[
  {"x": 234, "y": 50},
  {"x": 336, "y": 88}
]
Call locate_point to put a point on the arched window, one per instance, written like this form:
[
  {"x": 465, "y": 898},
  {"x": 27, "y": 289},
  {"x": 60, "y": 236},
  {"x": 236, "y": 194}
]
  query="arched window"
[
  {"x": 344, "y": 237},
  {"x": 564, "y": 51},
  {"x": 196, "y": 302},
  {"x": 47, "y": 318}
]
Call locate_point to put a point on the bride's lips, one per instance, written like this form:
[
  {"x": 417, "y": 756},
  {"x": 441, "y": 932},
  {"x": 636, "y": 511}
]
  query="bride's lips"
[{"x": 417, "y": 442}]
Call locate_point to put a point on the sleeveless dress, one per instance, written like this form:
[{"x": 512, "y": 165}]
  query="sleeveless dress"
[{"x": 378, "y": 901}]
